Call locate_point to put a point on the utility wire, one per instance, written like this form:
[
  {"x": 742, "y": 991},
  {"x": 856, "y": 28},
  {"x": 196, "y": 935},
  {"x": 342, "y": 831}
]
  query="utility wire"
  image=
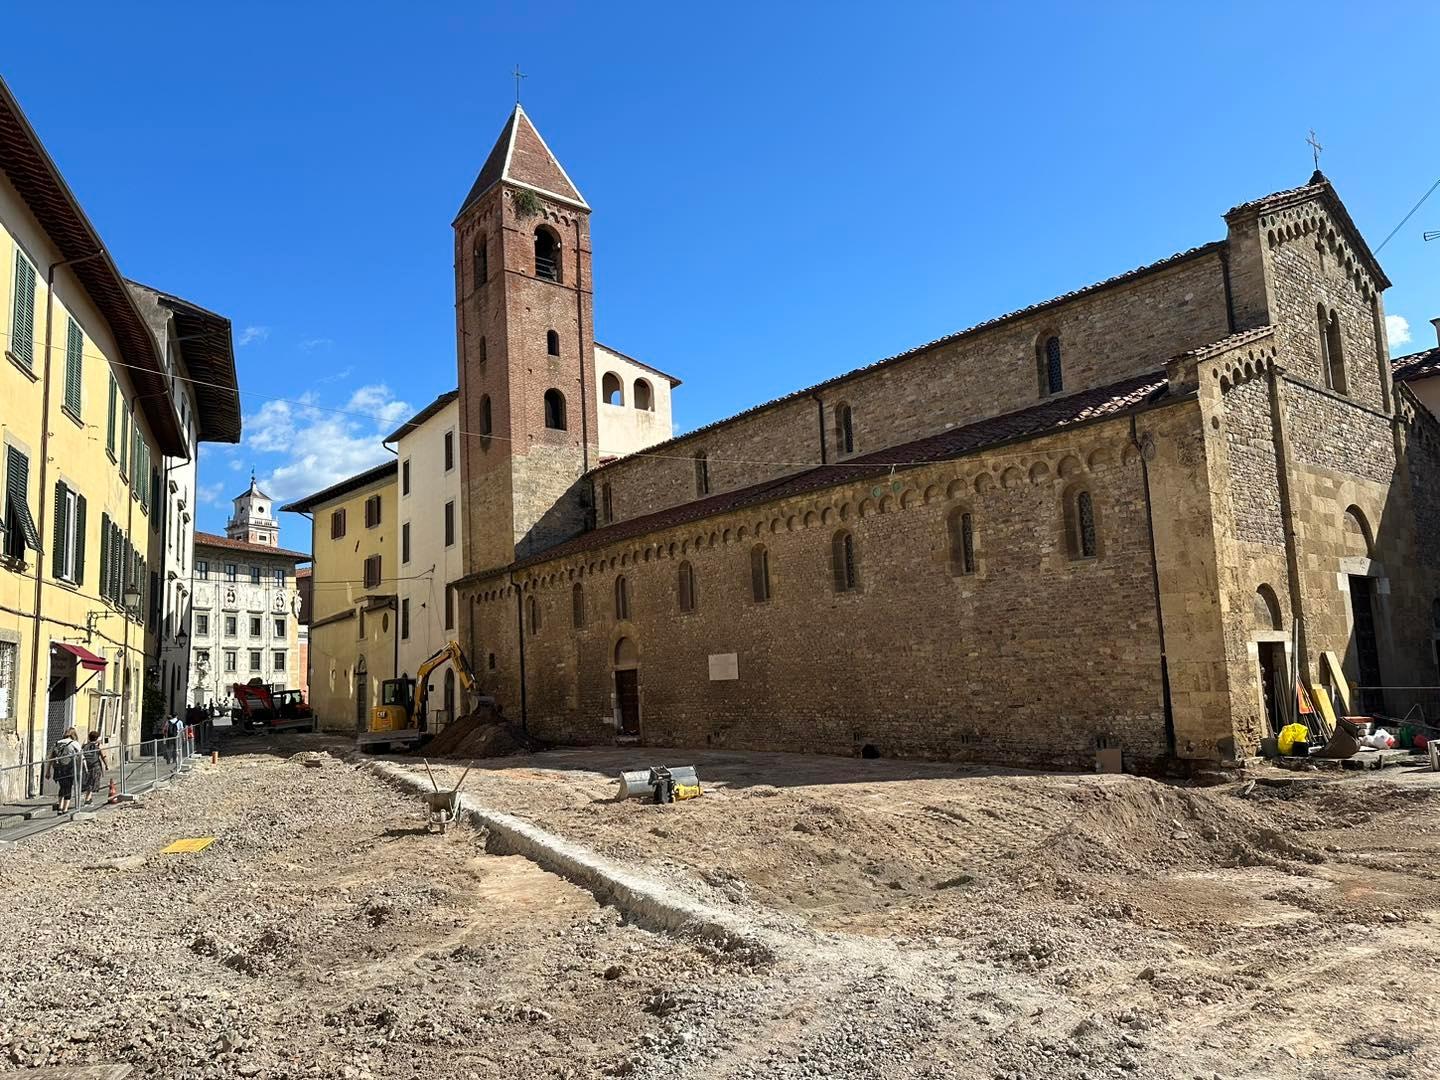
[{"x": 1408, "y": 216}]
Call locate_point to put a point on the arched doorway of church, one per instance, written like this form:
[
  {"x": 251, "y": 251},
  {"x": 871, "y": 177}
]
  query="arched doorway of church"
[{"x": 627, "y": 687}]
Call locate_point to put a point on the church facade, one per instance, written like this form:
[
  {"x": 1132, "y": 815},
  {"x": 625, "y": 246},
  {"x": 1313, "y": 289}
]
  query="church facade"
[{"x": 1131, "y": 515}]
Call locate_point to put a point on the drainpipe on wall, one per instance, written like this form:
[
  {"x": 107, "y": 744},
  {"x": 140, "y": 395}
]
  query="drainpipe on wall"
[
  {"x": 580, "y": 334},
  {"x": 1301, "y": 667},
  {"x": 820, "y": 415},
  {"x": 1155, "y": 587},
  {"x": 44, "y": 502},
  {"x": 520, "y": 637}
]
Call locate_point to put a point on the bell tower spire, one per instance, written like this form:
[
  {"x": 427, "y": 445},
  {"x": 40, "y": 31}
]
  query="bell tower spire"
[{"x": 525, "y": 351}]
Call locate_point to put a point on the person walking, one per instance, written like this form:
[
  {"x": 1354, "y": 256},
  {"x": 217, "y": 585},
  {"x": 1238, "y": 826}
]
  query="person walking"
[
  {"x": 64, "y": 767},
  {"x": 169, "y": 730},
  {"x": 96, "y": 765}
]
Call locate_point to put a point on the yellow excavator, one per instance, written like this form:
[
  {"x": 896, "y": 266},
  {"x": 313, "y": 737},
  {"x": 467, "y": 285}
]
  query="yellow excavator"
[{"x": 400, "y": 717}]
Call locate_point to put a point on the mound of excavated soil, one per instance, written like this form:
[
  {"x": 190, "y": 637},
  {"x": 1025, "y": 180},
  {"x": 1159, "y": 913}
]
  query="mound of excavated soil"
[{"x": 481, "y": 735}]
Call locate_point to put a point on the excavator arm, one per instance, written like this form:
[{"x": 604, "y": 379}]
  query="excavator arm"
[{"x": 452, "y": 652}]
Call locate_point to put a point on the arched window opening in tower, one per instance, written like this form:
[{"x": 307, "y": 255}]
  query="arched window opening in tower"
[
  {"x": 612, "y": 389},
  {"x": 644, "y": 396},
  {"x": 1052, "y": 371},
  {"x": 547, "y": 254},
  {"x": 844, "y": 428},
  {"x": 552, "y": 343},
  {"x": 554, "y": 410}
]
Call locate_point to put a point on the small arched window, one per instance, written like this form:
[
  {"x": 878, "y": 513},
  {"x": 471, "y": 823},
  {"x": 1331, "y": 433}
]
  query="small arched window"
[
  {"x": 759, "y": 574},
  {"x": 960, "y": 525},
  {"x": 533, "y": 606},
  {"x": 577, "y": 605},
  {"x": 844, "y": 429},
  {"x": 622, "y": 599},
  {"x": 702, "y": 473},
  {"x": 484, "y": 355},
  {"x": 644, "y": 396},
  {"x": 554, "y": 410},
  {"x": 486, "y": 421},
  {"x": 1052, "y": 370},
  {"x": 552, "y": 343},
  {"x": 686, "y": 587},
  {"x": 482, "y": 260},
  {"x": 547, "y": 254},
  {"x": 1332, "y": 348},
  {"x": 1085, "y": 525},
  {"x": 607, "y": 504},
  {"x": 842, "y": 561},
  {"x": 612, "y": 389}
]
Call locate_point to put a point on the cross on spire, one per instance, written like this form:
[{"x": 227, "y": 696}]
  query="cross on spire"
[
  {"x": 1315, "y": 148},
  {"x": 521, "y": 75}
]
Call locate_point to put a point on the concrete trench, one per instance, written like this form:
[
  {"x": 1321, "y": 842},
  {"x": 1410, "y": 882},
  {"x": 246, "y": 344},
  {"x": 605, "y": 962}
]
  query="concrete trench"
[{"x": 641, "y": 899}]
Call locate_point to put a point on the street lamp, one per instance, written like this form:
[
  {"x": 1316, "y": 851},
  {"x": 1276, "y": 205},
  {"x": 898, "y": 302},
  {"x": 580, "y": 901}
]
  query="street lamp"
[{"x": 131, "y": 598}]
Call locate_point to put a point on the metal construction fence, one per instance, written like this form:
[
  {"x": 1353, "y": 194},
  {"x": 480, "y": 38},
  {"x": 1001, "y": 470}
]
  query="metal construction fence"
[
  {"x": 133, "y": 768},
  {"x": 1418, "y": 706}
]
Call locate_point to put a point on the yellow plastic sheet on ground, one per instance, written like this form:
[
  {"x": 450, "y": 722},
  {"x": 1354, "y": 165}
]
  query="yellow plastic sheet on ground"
[{"x": 193, "y": 844}]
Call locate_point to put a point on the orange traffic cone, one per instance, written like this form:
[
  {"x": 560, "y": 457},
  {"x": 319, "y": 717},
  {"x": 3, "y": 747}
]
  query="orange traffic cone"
[{"x": 114, "y": 797}]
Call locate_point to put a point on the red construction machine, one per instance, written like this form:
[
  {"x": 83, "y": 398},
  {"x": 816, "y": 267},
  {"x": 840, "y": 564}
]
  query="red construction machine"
[{"x": 271, "y": 708}]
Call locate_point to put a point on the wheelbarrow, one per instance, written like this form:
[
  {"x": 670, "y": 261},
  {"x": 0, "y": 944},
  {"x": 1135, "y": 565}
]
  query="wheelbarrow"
[{"x": 443, "y": 806}]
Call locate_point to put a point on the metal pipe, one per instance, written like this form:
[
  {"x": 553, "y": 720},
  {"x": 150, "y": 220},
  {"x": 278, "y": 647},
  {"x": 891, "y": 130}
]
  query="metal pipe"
[
  {"x": 1166, "y": 702},
  {"x": 820, "y": 415},
  {"x": 520, "y": 637}
]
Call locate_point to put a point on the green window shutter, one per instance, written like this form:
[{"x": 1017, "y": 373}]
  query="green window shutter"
[
  {"x": 22, "y": 328},
  {"x": 74, "y": 355},
  {"x": 110, "y": 416},
  {"x": 79, "y": 539},
  {"x": 105, "y": 556},
  {"x": 57, "y": 549},
  {"x": 124, "y": 435}
]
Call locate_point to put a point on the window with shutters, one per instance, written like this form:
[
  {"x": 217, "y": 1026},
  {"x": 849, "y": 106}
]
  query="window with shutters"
[
  {"x": 20, "y": 531},
  {"x": 577, "y": 606},
  {"x": 279, "y": 575},
  {"x": 372, "y": 511},
  {"x": 554, "y": 410},
  {"x": 337, "y": 524},
  {"x": 405, "y": 477},
  {"x": 232, "y": 572},
  {"x": 405, "y": 542},
  {"x": 449, "y": 450},
  {"x": 277, "y": 661},
  {"x": 110, "y": 418},
  {"x": 372, "y": 572},
  {"x": 1048, "y": 360},
  {"x": 68, "y": 550},
  {"x": 230, "y": 658},
  {"x": 405, "y": 619},
  {"x": 74, "y": 367},
  {"x": 254, "y": 575},
  {"x": 202, "y": 570},
  {"x": 9, "y": 651},
  {"x": 844, "y": 429},
  {"x": 842, "y": 561},
  {"x": 22, "y": 320},
  {"x": 124, "y": 440},
  {"x": 759, "y": 574},
  {"x": 622, "y": 599},
  {"x": 685, "y": 585}
]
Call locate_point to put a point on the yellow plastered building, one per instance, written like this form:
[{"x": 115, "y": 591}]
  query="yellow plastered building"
[
  {"x": 86, "y": 420},
  {"x": 353, "y": 527}
]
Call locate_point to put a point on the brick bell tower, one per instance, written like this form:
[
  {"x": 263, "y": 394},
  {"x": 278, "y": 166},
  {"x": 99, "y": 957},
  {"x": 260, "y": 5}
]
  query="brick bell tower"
[{"x": 526, "y": 350}]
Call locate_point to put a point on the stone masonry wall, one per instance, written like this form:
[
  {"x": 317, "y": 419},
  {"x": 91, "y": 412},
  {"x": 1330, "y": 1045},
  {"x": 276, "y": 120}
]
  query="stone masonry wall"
[
  {"x": 1027, "y": 660},
  {"x": 1253, "y": 472},
  {"x": 1132, "y": 327}
]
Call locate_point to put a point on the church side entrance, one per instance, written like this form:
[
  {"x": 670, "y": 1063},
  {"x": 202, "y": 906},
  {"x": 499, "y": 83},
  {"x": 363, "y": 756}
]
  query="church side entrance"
[
  {"x": 627, "y": 687},
  {"x": 1367, "y": 645}
]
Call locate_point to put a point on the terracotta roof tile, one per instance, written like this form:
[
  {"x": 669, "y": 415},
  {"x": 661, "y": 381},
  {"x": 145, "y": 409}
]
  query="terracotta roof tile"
[
  {"x": 204, "y": 539},
  {"x": 1420, "y": 365},
  {"x": 1037, "y": 420},
  {"x": 521, "y": 157}
]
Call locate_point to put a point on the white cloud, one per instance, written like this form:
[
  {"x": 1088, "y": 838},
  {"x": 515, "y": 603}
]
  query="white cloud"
[
  {"x": 1397, "y": 329},
  {"x": 210, "y": 494},
  {"x": 337, "y": 376},
  {"x": 236, "y": 464},
  {"x": 311, "y": 344},
  {"x": 252, "y": 334},
  {"x": 321, "y": 446}
]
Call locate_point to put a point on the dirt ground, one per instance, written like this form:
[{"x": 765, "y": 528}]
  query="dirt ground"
[{"x": 925, "y": 921}]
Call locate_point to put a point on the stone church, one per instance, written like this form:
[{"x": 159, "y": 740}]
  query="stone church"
[{"x": 1130, "y": 515}]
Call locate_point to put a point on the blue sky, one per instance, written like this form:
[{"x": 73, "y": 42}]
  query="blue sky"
[{"x": 780, "y": 192}]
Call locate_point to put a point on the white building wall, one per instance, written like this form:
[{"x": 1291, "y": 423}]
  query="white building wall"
[
  {"x": 433, "y": 564},
  {"x": 216, "y": 644},
  {"x": 626, "y": 424}
]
